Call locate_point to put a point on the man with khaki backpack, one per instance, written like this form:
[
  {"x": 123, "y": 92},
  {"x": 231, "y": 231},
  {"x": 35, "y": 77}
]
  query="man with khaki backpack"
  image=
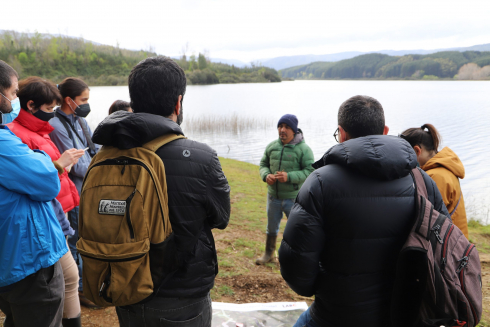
[{"x": 149, "y": 201}]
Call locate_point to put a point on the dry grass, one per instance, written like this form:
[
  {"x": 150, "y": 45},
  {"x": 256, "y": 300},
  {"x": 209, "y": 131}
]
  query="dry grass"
[{"x": 234, "y": 123}]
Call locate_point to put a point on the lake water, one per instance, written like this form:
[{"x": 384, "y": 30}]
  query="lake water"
[{"x": 460, "y": 110}]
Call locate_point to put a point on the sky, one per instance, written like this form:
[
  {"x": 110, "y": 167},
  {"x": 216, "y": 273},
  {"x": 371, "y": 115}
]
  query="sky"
[{"x": 251, "y": 30}]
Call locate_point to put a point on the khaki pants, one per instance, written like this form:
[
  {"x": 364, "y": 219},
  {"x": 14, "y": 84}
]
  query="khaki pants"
[{"x": 70, "y": 273}]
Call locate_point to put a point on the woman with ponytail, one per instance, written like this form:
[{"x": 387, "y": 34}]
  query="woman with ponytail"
[
  {"x": 443, "y": 166},
  {"x": 71, "y": 130}
]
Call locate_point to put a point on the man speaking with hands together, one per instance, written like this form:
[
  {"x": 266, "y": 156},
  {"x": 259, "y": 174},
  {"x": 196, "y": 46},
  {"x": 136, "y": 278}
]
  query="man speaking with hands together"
[{"x": 284, "y": 167}]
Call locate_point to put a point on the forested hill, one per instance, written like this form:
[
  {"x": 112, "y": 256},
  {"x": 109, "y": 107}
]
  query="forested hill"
[
  {"x": 440, "y": 65},
  {"x": 57, "y": 57}
]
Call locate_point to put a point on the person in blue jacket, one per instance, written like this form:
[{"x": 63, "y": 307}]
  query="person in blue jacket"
[{"x": 31, "y": 239}]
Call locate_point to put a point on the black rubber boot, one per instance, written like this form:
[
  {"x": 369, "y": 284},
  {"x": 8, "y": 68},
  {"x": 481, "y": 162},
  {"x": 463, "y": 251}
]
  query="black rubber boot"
[
  {"x": 72, "y": 322},
  {"x": 270, "y": 249}
]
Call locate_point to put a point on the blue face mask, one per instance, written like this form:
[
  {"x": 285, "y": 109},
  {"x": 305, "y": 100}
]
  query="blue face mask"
[{"x": 9, "y": 117}]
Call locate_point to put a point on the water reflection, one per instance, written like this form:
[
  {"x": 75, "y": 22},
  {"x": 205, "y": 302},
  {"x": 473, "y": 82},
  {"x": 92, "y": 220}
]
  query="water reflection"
[{"x": 238, "y": 121}]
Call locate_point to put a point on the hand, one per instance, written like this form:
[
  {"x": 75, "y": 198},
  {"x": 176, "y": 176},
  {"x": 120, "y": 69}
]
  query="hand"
[
  {"x": 270, "y": 179},
  {"x": 282, "y": 176},
  {"x": 70, "y": 157}
]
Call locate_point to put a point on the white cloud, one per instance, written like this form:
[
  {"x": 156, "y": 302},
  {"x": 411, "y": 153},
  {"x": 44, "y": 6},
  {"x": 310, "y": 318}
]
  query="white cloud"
[{"x": 253, "y": 29}]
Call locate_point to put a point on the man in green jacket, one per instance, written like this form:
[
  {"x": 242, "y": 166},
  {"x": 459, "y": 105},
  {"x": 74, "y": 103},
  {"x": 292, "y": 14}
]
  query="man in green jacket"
[{"x": 284, "y": 167}]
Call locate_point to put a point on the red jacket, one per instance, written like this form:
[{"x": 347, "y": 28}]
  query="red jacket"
[{"x": 34, "y": 133}]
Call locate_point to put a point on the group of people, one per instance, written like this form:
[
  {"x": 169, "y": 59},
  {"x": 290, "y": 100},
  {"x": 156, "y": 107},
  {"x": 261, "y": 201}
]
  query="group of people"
[{"x": 348, "y": 213}]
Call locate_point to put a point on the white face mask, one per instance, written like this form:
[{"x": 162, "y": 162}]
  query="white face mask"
[{"x": 9, "y": 117}]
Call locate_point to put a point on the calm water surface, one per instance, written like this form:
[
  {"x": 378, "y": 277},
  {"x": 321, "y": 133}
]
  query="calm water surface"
[{"x": 459, "y": 110}]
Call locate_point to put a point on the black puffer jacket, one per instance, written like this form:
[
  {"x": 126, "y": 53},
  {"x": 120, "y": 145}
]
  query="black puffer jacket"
[
  {"x": 344, "y": 233},
  {"x": 198, "y": 195}
]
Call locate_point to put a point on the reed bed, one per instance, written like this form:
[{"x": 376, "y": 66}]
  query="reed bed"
[{"x": 232, "y": 124}]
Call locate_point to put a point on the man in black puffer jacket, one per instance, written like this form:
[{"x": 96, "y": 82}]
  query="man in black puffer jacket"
[
  {"x": 351, "y": 218},
  {"x": 198, "y": 193}
]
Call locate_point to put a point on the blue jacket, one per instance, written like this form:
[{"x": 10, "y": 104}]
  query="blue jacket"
[
  {"x": 30, "y": 235},
  {"x": 61, "y": 139}
]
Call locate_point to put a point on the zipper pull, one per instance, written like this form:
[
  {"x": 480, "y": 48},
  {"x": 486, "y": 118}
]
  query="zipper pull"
[
  {"x": 443, "y": 264},
  {"x": 101, "y": 289},
  {"x": 463, "y": 264},
  {"x": 435, "y": 229},
  {"x": 124, "y": 167}
]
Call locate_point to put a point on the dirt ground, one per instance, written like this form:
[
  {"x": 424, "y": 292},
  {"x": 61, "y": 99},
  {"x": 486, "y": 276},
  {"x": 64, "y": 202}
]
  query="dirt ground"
[{"x": 261, "y": 285}]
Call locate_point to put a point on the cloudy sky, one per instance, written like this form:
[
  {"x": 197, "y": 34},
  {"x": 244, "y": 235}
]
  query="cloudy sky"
[{"x": 250, "y": 30}]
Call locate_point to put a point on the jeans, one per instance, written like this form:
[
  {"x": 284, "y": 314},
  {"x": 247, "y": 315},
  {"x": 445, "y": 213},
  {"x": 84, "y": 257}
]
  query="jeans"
[
  {"x": 305, "y": 320},
  {"x": 72, "y": 244},
  {"x": 36, "y": 300},
  {"x": 167, "y": 312},
  {"x": 275, "y": 208}
]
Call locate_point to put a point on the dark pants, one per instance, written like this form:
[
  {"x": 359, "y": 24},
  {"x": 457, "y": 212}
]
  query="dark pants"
[
  {"x": 166, "y": 312},
  {"x": 305, "y": 320},
  {"x": 37, "y": 300},
  {"x": 72, "y": 244}
]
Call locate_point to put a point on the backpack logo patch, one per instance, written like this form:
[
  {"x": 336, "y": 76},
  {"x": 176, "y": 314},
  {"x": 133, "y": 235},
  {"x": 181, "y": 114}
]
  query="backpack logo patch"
[
  {"x": 112, "y": 207},
  {"x": 186, "y": 153}
]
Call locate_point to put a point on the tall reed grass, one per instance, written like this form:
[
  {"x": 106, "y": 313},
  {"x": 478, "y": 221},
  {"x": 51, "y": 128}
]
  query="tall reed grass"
[{"x": 217, "y": 124}]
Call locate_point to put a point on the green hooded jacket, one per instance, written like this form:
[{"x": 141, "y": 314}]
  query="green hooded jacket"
[{"x": 295, "y": 158}]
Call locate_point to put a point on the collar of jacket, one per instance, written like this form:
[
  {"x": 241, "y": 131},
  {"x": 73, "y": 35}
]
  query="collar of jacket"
[
  {"x": 127, "y": 130},
  {"x": 381, "y": 156},
  {"x": 71, "y": 117},
  {"x": 298, "y": 138},
  {"x": 448, "y": 159},
  {"x": 33, "y": 124}
]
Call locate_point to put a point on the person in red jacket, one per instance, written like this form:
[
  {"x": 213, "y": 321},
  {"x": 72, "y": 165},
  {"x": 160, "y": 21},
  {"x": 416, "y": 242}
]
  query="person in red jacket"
[{"x": 38, "y": 97}]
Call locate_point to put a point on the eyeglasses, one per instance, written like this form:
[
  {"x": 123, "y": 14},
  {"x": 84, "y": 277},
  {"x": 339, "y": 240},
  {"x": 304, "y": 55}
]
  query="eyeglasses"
[{"x": 336, "y": 135}]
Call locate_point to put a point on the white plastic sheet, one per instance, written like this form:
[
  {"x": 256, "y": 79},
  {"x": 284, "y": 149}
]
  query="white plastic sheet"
[{"x": 276, "y": 314}]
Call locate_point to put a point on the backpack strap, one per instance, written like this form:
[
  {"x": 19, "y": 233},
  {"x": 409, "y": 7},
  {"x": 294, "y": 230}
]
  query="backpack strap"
[
  {"x": 90, "y": 143},
  {"x": 65, "y": 124},
  {"x": 459, "y": 200},
  {"x": 420, "y": 183},
  {"x": 160, "y": 141}
]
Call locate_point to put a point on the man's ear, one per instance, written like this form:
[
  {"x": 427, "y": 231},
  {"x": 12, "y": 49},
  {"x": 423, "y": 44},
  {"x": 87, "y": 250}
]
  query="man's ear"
[
  {"x": 343, "y": 135},
  {"x": 386, "y": 130},
  {"x": 178, "y": 105},
  {"x": 67, "y": 101}
]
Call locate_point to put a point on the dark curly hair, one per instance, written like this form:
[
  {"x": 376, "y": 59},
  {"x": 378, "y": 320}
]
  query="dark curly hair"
[{"x": 155, "y": 85}]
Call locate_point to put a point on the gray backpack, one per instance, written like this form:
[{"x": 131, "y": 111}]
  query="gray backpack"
[{"x": 438, "y": 274}]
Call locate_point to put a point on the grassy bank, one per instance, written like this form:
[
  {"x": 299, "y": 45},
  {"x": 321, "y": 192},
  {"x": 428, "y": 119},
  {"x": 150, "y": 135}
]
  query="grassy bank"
[{"x": 240, "y": 280}]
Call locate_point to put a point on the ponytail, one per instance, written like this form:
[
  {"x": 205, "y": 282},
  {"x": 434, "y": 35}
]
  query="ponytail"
[
  {"x": 429, "y": 139},
  {"x": 72, "y": 87}
]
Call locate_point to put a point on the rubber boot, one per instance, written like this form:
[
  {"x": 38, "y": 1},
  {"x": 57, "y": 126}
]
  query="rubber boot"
[
  {"x": 72, "y": 322},
  {"x": 270, "y": 249}
]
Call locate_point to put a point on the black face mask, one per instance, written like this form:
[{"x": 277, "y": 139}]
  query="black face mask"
[
  {"x": 83, "y": 110},
  {"x": 44, "y": 116}
]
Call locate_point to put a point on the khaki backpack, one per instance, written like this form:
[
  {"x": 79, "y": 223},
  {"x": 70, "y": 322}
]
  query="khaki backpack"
[{"x": 124, "y": 227}]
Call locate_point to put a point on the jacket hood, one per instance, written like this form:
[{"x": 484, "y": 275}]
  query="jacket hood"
[
  {"x": 126, "y": 130},
  {"x": 298, "y": 138},
  {"x": 448, "y": 159},
  {"x": 380, "y": 156},
  {"x": 33, "y": 123}
]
